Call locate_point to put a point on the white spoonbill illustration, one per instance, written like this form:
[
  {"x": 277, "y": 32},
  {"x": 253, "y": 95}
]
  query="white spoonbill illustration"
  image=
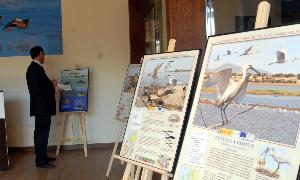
[
  {"x": 262, "y": 158},
  {"x": 280, "y": 160},
  {"x": 227, "y": 89}
]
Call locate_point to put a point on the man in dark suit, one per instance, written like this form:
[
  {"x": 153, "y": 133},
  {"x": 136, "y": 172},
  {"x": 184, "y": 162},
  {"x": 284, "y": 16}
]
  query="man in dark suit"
[{"x": 42, "y": 105}]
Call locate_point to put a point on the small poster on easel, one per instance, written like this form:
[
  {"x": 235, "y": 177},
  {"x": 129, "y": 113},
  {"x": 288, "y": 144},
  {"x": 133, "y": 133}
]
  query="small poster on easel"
[
  {"x": 158, "y": 109},
  {"x": 74, "y": 91},
  {"x": 127, "y": 95}
]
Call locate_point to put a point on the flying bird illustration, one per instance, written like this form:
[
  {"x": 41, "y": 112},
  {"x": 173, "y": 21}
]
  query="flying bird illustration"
[
  {"x": 229, "y": 52},
  {"x": 247, "y": 51},
  {"x": 227, "y": 89},
  {"x": 17, "y": 23},
  {"x": 218, "y": 59},
  {"x": 282, "y": 57},
  {"x": 168, "y": 65},
  {"x": 155, "y": 72}
]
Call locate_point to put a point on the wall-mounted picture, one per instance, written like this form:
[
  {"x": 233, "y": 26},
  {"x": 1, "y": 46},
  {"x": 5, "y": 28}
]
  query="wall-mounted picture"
[
  {"x": 27, "y": 23},
  {"x": 74, "y": 98},
  {"x": 252, "y": 86}
]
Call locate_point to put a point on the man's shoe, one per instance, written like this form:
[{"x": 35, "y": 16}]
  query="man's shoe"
[
  {"x": 51, "y": 158},
  {"x": 45, "y": 165}
]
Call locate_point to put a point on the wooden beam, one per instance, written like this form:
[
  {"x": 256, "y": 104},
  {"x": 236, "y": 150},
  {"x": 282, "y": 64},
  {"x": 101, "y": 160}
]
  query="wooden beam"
[
  {"x": 136, "y": 30},
  {"x": 186, "y": 23}
]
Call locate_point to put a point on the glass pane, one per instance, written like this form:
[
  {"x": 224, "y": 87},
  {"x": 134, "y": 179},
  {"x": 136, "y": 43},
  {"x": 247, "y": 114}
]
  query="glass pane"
[
  {"x": 226, "y": 16},
  {"x": 155, "y": 24}
]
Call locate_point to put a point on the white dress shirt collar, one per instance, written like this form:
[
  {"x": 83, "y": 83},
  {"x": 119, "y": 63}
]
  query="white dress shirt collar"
[{"x": 36, "y": 61}]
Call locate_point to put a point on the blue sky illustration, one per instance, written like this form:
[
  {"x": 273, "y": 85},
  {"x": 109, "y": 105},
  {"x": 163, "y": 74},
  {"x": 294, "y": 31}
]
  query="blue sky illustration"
[
  {"x": 261, "y": 55},
  {"x": 180, "y": 63}
]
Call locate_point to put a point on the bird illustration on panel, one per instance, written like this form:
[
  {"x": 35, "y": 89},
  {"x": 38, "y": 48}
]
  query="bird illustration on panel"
[
  {"x": 281, "y": 56},
  {"x": 168, "y": 65},
  {"x": 278, "y": 159},
  {"x": 17, "y": 23},
  {"x": 229, "y": 90},
  {"x": 262, "y": 159},
  {"x": 247, "y": 51},
  {"x": 218, "y": 59},
  {"x": 155, "y": 72}
]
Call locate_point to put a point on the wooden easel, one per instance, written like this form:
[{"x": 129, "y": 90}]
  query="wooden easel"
[
  {"x": 61, "y": 137},
  {"x": 262, "y": 15},
  {"x": 130, "y": 173},
  {"x": 171, "y": 45},
  {"x": 81, "y": 117},
  {"x": 118, "y": 139}
]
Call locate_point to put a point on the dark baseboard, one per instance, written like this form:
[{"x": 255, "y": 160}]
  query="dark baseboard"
[{"x": 65, "y": 147}]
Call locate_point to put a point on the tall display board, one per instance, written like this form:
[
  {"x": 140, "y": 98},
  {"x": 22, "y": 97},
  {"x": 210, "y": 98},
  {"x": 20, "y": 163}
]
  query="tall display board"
[
  {"x": 244, "y": 123},
  {"x": 74, "y": 99},
  {"x": 2, "y": 113},
  {"x": 4, "y": 161},
  {"x": 157, "y": 114},
  {"x": 127, "y": 95}
]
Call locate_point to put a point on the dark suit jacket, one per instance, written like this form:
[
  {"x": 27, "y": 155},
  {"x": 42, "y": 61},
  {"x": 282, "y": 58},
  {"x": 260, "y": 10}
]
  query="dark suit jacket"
[{"x": 41, "y": 90}]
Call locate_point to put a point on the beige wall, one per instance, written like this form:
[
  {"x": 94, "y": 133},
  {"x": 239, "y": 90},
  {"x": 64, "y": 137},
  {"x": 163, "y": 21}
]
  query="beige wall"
[{"x": 95, "y": 35}]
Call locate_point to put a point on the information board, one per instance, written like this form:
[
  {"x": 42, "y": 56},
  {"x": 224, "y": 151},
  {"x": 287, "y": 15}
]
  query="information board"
[
  {"x": 127, "y": 95},
  {"x": 2, "y": 112},
  {"x": 244, "y": 122},
  {"x": 158, "y": 110}
]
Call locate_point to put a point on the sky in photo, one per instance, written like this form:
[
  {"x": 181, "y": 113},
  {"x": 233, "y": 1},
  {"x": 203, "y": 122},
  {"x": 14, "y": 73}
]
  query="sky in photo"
[{"x": 261, "y": 55}]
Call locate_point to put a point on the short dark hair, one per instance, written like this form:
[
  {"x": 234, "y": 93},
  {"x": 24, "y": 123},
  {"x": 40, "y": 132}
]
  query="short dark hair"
[{"x": 35, "y": 51}]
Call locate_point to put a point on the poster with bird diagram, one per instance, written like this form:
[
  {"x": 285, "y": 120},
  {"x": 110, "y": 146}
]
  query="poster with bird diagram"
[
  {"x": 157, "y": 113},
  {"x": 127, "y": 95},
  {"x": 74, "y": 98},
  {"x": 244, "y": 122}
]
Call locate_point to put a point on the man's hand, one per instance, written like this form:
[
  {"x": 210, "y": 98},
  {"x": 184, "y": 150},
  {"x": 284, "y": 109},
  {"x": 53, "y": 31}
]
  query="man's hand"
[{"x": 54, "y": 82}]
